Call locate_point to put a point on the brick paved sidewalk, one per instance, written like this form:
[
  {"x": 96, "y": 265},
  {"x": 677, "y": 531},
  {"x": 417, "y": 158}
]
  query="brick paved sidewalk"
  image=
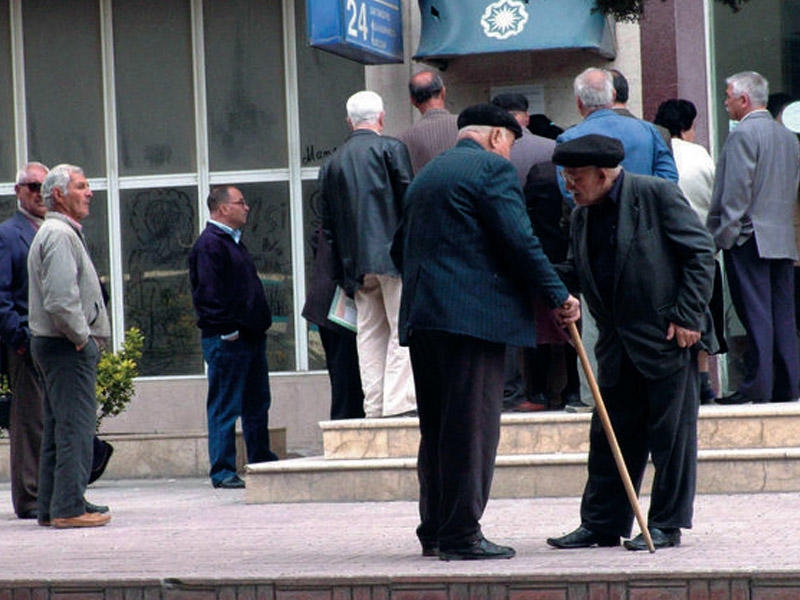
[{"x": 185, "y": 529}]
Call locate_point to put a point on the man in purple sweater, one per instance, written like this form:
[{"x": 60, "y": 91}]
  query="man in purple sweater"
[{"x": 233, "y": 315}]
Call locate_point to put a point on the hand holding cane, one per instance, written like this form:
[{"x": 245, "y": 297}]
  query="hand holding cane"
[{"x": 612, "y": 439}]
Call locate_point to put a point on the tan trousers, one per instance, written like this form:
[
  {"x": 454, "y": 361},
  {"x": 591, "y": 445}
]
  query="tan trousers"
[{"x": 385, "y": 367}]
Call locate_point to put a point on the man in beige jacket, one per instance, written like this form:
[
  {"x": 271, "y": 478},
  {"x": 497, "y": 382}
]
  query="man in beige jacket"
[{"x": 69, "y": 324}]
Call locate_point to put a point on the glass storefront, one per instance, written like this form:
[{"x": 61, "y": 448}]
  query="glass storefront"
[{"x": 158, "y": 101}]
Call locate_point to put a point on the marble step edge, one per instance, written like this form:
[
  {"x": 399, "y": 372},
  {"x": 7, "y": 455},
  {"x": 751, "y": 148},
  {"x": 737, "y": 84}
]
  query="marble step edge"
[
  {"x": 319, "y": 463},
  {"x": 761, "y": 411}
]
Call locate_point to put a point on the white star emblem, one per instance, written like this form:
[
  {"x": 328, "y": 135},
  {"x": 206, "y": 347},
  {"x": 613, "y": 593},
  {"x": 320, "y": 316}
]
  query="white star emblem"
[{"x": 504, "y": 18}]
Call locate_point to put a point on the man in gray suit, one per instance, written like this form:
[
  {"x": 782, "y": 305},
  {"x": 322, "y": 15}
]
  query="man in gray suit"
[{"x": 751, "y": 220}]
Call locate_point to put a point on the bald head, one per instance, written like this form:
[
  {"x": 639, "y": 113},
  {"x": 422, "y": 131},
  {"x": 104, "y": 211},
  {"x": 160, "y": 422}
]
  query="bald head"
[{"x": 427, "y": 91}]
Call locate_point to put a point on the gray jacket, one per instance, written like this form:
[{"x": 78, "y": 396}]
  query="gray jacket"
[
  {"x": 64, "y": 294},
  {"x": 755, "y": 188}
]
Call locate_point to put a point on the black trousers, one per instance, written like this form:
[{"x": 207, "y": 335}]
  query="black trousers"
[
  {"x": 650, "y": 417},
  {"x": 459, "y": 383},
  {"x": 341, "y": 358}
]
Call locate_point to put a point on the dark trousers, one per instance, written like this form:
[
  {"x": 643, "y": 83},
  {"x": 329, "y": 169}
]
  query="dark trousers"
[
  {"x": 762, "y": 291},
  {"x": 459, "y": 383},
  {"x": 238, "y": 386},
  {"x": 539, "y": 364},
  {"x": 69, "y": 415},
  {"x": 341, "y": 358},
  {"x": 650, "y": 417},
  {"x": 25, "y": 429}
]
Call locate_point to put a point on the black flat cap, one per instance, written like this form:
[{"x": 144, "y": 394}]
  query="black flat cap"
[
  {"x": 591, "y": 150},
  {"x": 511, "y": 101},
  {"x": 491, "y": 115}
]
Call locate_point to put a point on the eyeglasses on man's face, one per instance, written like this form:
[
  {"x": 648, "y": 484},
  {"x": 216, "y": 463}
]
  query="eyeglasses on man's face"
[
  {"x": 33, "y": 186},
  {"x": 239, "y": 202}
]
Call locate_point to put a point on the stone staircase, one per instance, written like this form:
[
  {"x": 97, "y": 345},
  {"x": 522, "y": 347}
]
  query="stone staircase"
[{"x": 753, "y": 448}]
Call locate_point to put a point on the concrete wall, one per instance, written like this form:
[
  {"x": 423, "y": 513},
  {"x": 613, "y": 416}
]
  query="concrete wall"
[{"x": 177, "y": 406}]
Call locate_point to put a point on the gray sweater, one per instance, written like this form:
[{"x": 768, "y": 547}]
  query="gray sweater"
[{"x": 64, "y": 295}]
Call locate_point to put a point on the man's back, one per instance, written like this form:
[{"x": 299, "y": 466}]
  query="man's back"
[
  {"x": 645, "y": 151},
  {"x": 472, "y": 248},
  {"x": 362, "y": 188},
  {"x": 434, "y": 133}
]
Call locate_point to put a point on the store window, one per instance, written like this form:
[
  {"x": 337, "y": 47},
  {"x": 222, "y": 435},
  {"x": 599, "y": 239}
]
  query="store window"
[
  {"x": 764, "y": 36},
  {"x": 154, "y": 85},
  {"x": 245, "y": 85},
  {"x": 158, "y": 229},
  {"x": 156, "y": 185},
  {"x": 268, "y": 239},
  {"x": 63, "y": 83},
  {"x": 8, "y": 167}
]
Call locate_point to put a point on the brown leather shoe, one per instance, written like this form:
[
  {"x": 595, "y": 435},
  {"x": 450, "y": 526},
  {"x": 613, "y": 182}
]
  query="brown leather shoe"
[{"x": 84, "y": 520}]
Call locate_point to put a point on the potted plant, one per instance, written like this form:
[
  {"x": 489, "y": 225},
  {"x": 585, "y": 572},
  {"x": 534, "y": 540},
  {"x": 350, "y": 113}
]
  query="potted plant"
[{"x": 115, "y": 374}]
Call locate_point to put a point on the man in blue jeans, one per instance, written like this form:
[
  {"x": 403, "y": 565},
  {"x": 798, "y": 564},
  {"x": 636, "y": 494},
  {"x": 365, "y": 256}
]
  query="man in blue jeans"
[{"x": 233, "y": 315}]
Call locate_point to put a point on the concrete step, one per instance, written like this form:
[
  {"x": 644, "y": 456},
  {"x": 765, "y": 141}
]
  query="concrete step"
[
  {"x": 719, "y": 427},
  {"x": 516, "y": 476},
  {"x": 142, "y": 456}
]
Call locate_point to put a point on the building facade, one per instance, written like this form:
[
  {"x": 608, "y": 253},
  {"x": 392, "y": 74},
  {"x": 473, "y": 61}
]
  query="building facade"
[{"x": 159, "y": 101}]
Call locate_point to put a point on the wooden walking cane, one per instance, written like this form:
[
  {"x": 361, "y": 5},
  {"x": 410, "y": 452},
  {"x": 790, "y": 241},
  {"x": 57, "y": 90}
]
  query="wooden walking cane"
[{"x": 612, "y": 439}]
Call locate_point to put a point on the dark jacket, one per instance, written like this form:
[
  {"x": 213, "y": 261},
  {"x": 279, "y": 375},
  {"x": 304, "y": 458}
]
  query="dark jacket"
[
  {"x": 15, "y": 238},
  {"x": 663, "y": 273},
  {"x": 226, "y": 290},
  {"x": 471, "y": 263},
  {"x": 321, "y": 287},
  {"x": 362, "y": 188}
]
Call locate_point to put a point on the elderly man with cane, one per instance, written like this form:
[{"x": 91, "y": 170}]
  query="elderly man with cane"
[{"x": 644, "y": 264}]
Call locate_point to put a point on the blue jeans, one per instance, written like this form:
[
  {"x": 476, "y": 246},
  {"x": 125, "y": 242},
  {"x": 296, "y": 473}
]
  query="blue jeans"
[{"x": 238, "y": 386}]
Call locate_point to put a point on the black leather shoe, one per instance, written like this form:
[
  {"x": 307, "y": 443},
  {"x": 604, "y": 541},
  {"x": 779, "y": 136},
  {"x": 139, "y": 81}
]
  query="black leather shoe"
[
  {"x": 429, "y": 549},
  {"x": 29, "y": 514},
  {"x": 481, "y": 549},
  {"x": 95, "y": 508},
  {"x": 734, "y": 398},
  {"x": 234, "y": 482},
  {"x": 662, "y": 538},
  {"x": 583, "y": 538}
]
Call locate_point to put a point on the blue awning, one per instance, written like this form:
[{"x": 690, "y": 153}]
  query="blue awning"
[{"x": 453, "y": 28}]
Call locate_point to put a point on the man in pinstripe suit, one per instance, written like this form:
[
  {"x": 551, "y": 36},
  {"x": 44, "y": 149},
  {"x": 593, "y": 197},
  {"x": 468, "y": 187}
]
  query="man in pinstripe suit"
[{"x": 471, "y": 266}]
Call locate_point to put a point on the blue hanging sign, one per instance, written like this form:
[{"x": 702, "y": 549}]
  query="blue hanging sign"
[
  {"x": 452, "y": 28},
  {"x": 367, "y": 31}
]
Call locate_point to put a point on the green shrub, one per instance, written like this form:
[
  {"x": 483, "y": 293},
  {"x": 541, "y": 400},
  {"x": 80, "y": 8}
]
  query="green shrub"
[{"x": 115, "y": 374}]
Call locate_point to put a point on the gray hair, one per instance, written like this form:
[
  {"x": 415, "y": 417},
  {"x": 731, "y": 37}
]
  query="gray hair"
[
  {"x": 751, "y": 84},
  {"x": 59, "y": 178},
  {"x": 364, "y": 108},
  {"x": 22, "y": 173},
  {"x": 595, "y": 88}
]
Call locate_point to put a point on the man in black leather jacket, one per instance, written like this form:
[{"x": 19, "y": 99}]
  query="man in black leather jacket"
[{"x": 362, "y": 188}]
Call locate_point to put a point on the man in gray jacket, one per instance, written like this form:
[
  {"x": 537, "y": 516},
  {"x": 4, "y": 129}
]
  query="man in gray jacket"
[
  {"x": 69, "y": 324},
  {"x": 755, "y": 190}
]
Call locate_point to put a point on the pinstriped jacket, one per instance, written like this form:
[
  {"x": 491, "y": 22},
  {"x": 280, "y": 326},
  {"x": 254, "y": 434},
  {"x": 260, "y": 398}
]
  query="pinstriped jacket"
[{"x": 470, "y": 261}]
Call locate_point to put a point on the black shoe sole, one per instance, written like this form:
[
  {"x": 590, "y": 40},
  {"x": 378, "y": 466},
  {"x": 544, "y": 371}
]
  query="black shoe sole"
[
  {"x": 600, "y": 544},
  {"x": 448, "y": 556}
]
